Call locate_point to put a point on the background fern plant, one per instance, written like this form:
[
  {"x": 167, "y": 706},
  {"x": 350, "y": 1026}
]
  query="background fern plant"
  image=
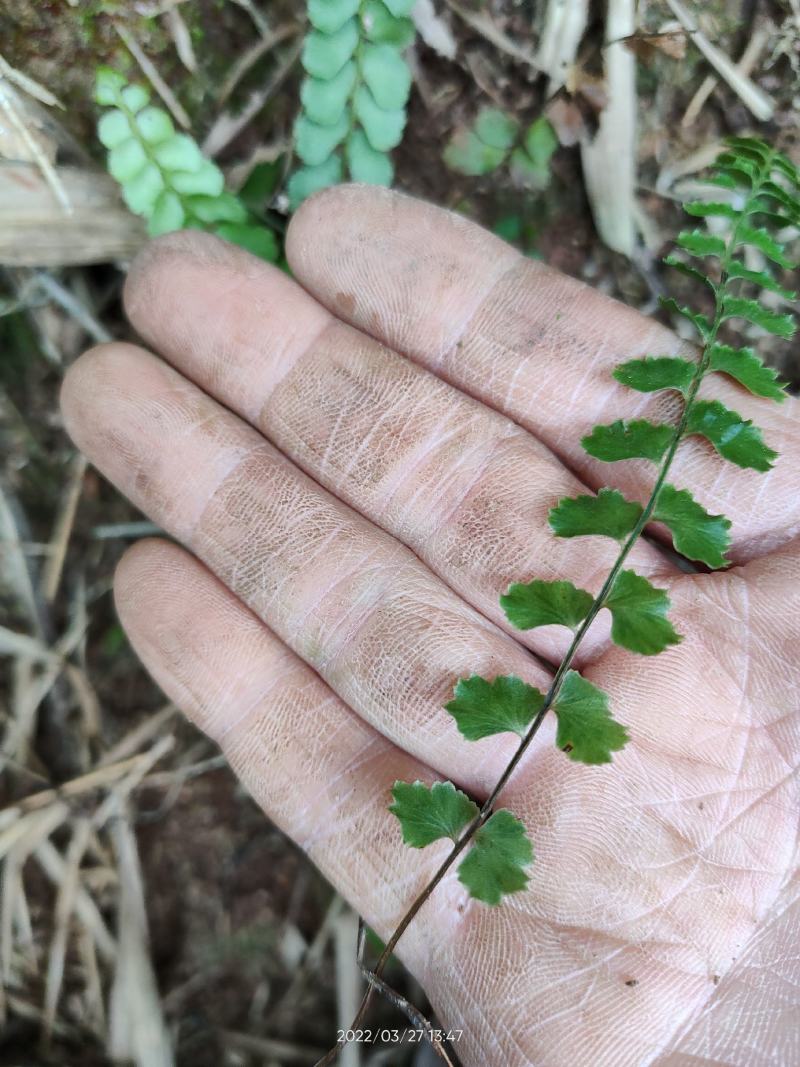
[
  {"x": 496, "y": 138},
  {"x": 354, "y": 94},
  {"x": 164, "y": 176},
  {"x": 761, "y": 190}
]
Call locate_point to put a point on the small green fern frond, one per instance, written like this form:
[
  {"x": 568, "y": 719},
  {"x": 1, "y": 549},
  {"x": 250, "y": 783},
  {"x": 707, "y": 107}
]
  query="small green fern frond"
[
  {"x": 494, "y": 139},
  {"x": 763, "y": 192},
  {"x": 354, "y": 94},
  {"x": 164, "y": 176}
]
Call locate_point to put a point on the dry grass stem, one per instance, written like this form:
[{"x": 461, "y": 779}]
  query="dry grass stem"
[
  {"x": 609, "y": 160},
  {"x": 755, "y": 99}
]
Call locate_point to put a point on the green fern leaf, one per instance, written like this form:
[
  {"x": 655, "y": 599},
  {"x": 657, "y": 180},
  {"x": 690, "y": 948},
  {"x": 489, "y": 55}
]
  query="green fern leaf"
[
  {"x": 315, "y": 143},
  {"x": 608, "y": 514},
  {"x": 696, "y": 534},
  {"x": 762, "y": 278},
  {"x": 698, "y": 243},
  {"x": 328, "y": 16},
  {"x": 308, "y": 180},
  {"x": 495, "y": 128},
  {"x": 400, "y": 8},
  {"x": 494, "y": 865},
  {"x": 751, "y": 146},
  {"x": 154, "y": 125},
  {"x": 387, "y": 76},
  {"x": 365, "y": 163},
  {"x": 637, "y": 439},
  {"x": 742, "y": 169},
  {"x": 735, "y": 438},
  {"x": 787, "y": 169},
  {"x": 211, "y": 209},
  {"x": 354, "y": 94},
  {"x": 384, "y": 129},
  {"x": 722, "y": 181},
  {"x": 758, "y": 237},
  {"x": 256, "y": 239},
  {"x": 775, "y": 192},
  {"x": 324, "y": 54},
  {"x": 540, "y": 603},
  {"x": 108, "y": 86},
  {"x": 207, "y": 180},
  {"x": 656, "y": 372},
  {"x": 113, "y": 129},
  {"x": 164, "y": 176},
  {"x": 690, "y": 272},
  {"x": 180, "y": 153},
  {"x": 711, "y": 209},
  {"x": 382, "y": 27},
  {"x": 167, "y": 216},
  {"x": 700, "y": 322},
  {"x": 482, "y": 708},
  {"x": 737, "y": 307},
  {"x": 639, "y": 615},
  {"x": 467, "y": 154},
  {"x": 141, "y": 192},
  {"x": 429, "y": 813},
  {"x": 324, "y": 102},
  {"x": 745, "y": 366},
  {"x": 586, "y": 730}
]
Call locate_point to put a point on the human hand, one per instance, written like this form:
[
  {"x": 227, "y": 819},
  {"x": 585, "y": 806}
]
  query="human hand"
[{"x": 323, "y": 618}]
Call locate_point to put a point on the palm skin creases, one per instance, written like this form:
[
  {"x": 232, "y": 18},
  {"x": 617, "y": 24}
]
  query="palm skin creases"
[{"x": 759, "y": 196}]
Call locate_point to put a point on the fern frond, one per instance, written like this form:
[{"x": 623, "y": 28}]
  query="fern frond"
[
  {"x": 164, "y": 176},
  {"x": 495, "y": 138},
  {"x": 354, "y": 94}
]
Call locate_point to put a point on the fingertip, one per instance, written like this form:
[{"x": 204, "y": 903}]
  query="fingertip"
[
  {"x": 325, "y": 215},
  {"x": 161, "y": 254},
  {"x": 83, "y": 381},
  {"x": 139, "y": 561}
]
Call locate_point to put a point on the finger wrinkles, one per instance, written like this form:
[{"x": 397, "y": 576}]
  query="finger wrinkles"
[
  {"x": 463, "y": 486},
  {"x": 388, "y": 635},
  {"x": 540, "y": 347},
  {"x": 318, "y": 770},
  {"x": 360, "y": 608}
]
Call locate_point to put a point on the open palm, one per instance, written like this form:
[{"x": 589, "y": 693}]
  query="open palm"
[{"x": 359, "y": 468}]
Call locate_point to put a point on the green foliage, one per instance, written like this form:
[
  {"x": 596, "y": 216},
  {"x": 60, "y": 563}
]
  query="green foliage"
[
  {"x": 500, "y": 849},
  {"x": 428, "y": 813},
  {"x": 163, "y": 174},
  {"x": 656, "y": 372},
  {"x": 695, "y": 533},
  {"x": 608, "y": 514},
  {"x": 701, "y": 323},
  {"x": 764, "y": 190},
  {"x": 586, "y": 730},
  {"x": 735, "y": 438},
  {"x": 701, "y": 244},
  {"x": 483, "y": 148},
  {"x": 490, "y": 142},
  {"x": 637, "y": 439},
  {"x": 545, "y": 603},
  {"x": 495, "y": 864},
  {"x": 639, "y": 615},
  {"x": 482, "y": 708},
  {"x": 738, "y": 307},
  {"x": 530, "y": 162},
  {"x": 748, "y": 370},
  {"x": 354, "y": 94}
]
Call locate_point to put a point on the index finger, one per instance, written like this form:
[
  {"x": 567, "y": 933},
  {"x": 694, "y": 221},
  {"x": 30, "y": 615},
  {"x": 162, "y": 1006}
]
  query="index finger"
[{"x": 530, "y": 342}]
